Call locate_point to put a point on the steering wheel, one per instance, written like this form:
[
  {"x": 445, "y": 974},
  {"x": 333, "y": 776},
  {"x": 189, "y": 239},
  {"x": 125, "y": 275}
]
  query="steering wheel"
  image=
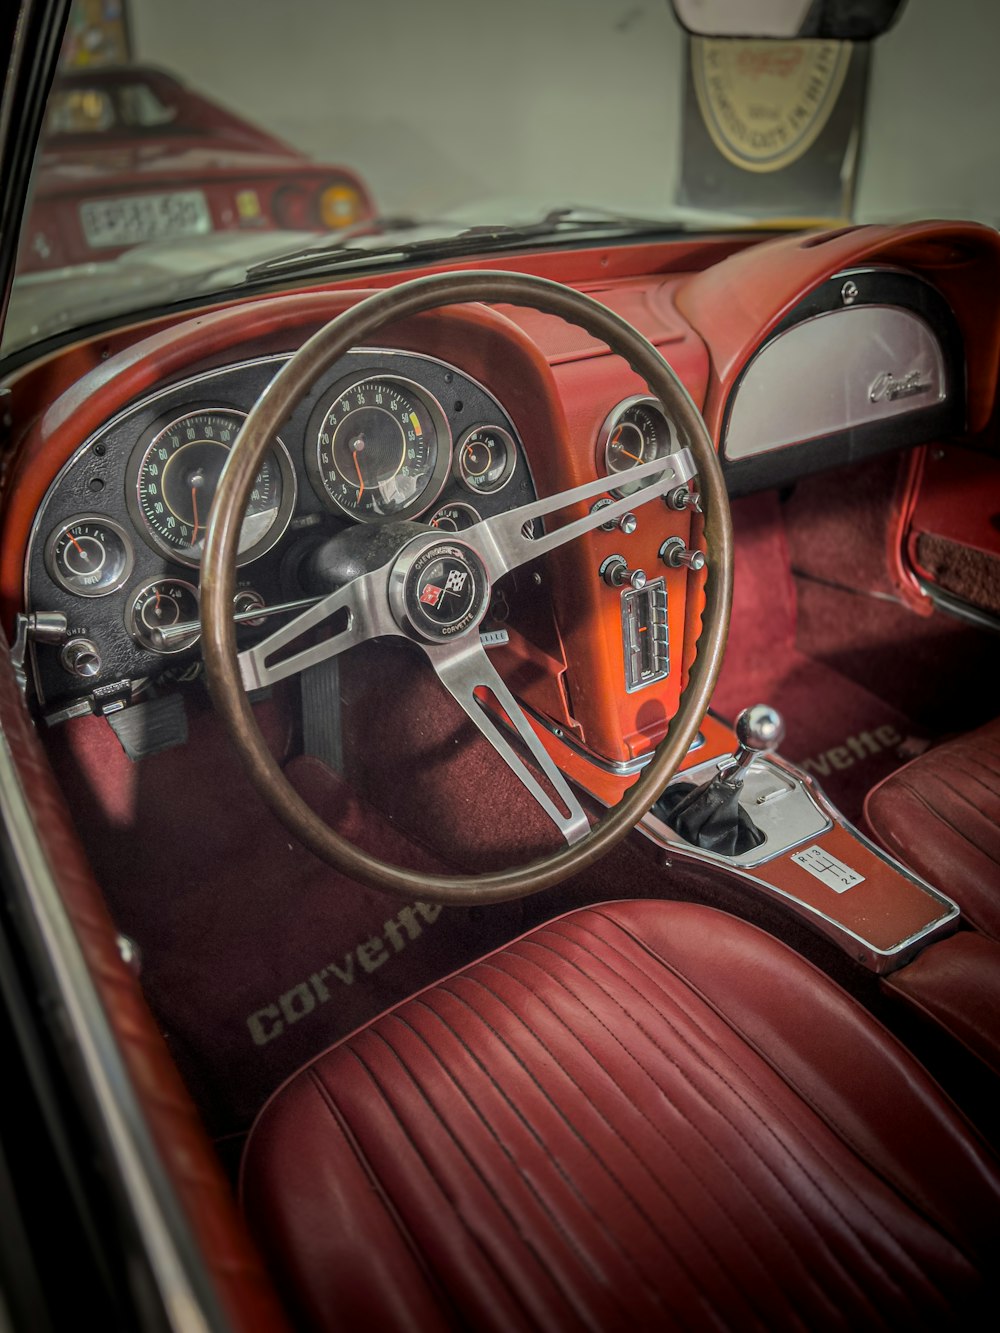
[{"x": 404, "y": 558}]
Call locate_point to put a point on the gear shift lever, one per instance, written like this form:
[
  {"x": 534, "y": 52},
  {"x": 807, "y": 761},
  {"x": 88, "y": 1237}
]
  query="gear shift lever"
[
  {"x": 759, "y": 730},
  {"x": 710, "y": 816}
]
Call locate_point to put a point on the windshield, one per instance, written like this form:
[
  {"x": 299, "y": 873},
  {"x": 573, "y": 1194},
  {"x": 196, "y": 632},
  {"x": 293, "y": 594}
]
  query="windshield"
[{"x": 189, "y": 147}]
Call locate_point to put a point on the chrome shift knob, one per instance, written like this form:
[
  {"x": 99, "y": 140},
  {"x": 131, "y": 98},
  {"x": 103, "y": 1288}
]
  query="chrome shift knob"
[{"x": 760, "y": 728}]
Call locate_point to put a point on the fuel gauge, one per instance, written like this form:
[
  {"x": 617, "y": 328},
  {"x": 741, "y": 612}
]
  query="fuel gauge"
[{"x": 89, "y": 555}]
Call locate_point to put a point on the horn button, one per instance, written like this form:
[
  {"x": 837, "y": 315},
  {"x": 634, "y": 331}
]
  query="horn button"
[{"x": 439, "y": 591}]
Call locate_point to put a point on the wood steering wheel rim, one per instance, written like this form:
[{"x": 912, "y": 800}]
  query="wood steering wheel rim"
[{"x": 218, "y": 580}]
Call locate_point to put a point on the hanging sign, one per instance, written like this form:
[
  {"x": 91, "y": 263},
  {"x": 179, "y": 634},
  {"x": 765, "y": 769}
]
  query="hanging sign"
[{"x": 772, "y": 128}]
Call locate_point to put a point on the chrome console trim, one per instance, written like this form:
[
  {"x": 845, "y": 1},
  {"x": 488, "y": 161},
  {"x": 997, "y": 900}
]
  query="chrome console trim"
[{"x": 879, "y": 961}]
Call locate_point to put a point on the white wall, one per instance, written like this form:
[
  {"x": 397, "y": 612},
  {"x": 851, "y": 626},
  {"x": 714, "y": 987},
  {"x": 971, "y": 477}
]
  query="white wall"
[{"x": 430, "y": 128}]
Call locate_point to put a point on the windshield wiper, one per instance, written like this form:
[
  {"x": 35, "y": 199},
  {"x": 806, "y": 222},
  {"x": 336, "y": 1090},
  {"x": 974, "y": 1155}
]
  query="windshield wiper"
[{"x": 470, "y": 240}]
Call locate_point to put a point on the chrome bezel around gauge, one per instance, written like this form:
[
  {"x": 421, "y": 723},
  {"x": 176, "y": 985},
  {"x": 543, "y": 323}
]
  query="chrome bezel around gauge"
[
  {"x": 142, "y": 634},
  {"x": 615, "y": 418},
  {"x": 66, "y": 581},
  {"x": 321, "y": 463},
  {"x": 462, "y": 470},
  {"x": 473, "y": 514},
  {"x": 184, "y": 553}
]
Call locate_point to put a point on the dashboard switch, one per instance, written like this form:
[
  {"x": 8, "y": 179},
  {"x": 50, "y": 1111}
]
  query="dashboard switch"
[
  {"x": 80, "y": 657},
  {"x": 675, "y": 555},
  {"x": 616, "y": 573}
]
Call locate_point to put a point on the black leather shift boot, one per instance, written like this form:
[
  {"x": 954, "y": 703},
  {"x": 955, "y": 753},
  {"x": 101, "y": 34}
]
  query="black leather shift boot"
[{"x": 709, "y": 817}]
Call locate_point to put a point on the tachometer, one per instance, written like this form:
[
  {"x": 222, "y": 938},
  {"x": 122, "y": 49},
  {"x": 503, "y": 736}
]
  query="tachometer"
[
  {"x": 173, "y": 481},
  {"x": 382, "y": 449}
]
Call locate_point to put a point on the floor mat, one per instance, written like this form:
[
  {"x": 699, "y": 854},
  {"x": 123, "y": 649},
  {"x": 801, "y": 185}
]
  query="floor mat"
[
  {"x": 255, "y": 955},
  {"x": 842, "y": 733}
]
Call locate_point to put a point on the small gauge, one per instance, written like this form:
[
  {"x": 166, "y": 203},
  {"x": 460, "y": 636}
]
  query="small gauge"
[
  {"x": 455, "y": 517},
  {"x": 160, "y": 606},
  {"x": 635, "y": 432},
  {"x": 89, "y": 556},
  {"x": 174, "y": 479},
  {"x": 485, "y": 457}
]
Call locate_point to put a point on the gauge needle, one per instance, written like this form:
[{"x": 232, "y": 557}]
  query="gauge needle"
[
  {"x": 80, "y": 551},
  {"x": 356, "y": 448},
  {"x": 194, "y": 507},
  {"x": 614, "y": 440}
]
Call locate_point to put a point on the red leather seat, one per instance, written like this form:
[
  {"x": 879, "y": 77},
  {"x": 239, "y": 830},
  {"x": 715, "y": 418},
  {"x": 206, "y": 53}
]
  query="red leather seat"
[
  {"x": 940, "y": 815},
  {"x": 639, "y": 1116}
]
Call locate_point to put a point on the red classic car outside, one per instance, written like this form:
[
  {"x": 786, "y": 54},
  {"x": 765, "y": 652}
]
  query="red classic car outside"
[{"x": 131, "y": 155}]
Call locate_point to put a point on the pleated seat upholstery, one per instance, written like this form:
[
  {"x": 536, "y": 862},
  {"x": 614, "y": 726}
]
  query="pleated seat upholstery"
[
  {"x": 940, "y": 815},
  {"x": 639, "y": 1116}
]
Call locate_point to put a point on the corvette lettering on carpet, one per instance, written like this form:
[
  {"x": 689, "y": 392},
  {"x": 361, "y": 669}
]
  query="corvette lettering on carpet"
[
  {"x": 268, "y": 1023},
  {"x": 862, "y": 746}
]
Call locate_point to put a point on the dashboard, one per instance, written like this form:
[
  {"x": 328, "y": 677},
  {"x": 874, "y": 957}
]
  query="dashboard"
[
  {"x": 384, "y": 435},
  {"x": 803, "y": 353}
]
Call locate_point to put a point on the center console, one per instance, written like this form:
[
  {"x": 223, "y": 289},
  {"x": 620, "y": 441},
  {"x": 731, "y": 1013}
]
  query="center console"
[{"x": 808, "y": 856}]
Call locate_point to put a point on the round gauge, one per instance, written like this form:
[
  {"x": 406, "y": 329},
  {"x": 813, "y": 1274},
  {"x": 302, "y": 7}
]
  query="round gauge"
[
  {"x": 454, "y": 517},
  {"x": 382, "y": 449},
  {"x": 160, "y": 606},
  {"x": 175, "y": 477},
  {"x": 89, "y": 555},
  {"x": 636, "y": 432},
  {"x": 486, "y": 457}
]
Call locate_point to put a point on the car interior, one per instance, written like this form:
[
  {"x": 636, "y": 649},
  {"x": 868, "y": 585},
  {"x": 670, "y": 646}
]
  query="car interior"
[{"x": 506, "y": 756}]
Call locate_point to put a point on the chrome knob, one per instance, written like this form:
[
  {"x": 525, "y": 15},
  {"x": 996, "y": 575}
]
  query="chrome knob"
[
  {"x": 682, "y": 497},
  {"x": 245, "y": 602},
  {"x": 628, "y": 524},
  {"x": 759, "y": 730},
  {"x": 616, "y": 574},
  {"x": 675, "y": 555},
  {"x": 81, "y": 658}
]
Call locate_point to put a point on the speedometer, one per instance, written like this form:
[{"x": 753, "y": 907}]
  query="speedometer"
[
  {"x": 382, "y": 449},
  {"x": 174, "y": 478}
]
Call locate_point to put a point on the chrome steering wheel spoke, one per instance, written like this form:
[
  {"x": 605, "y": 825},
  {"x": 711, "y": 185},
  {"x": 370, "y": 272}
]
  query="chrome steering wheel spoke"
[
  {"x": 503, "y": 544},
  {"x": 364, "y": 608},
  {"x": 463, "y": 668}
]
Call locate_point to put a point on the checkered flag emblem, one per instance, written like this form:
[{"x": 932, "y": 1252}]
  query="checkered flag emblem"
[{"x": 455, "y": 581}]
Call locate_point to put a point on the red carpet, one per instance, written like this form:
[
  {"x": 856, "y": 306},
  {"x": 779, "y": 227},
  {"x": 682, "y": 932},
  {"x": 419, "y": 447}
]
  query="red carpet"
[
  {"x": 843, "y": 734},
  {"x": 255, "y": 956}
]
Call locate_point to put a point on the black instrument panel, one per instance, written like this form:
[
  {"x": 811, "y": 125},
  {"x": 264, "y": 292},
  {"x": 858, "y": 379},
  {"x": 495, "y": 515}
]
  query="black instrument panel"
[{"x": 117, "y": 541}]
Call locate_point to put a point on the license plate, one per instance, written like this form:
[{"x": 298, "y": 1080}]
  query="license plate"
[{"x": 144, "y": 217}]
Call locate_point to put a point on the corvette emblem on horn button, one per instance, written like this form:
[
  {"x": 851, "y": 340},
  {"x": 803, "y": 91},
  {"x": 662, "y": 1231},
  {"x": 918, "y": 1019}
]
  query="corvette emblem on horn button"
[{"x": 446, "y": 591}]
